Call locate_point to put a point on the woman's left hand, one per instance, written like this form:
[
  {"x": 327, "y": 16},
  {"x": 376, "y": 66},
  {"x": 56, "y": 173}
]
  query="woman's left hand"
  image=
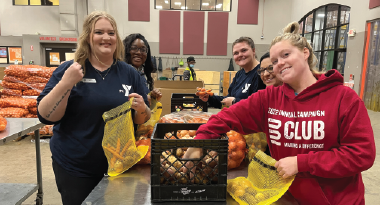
[
  {"x": 287, "y": 166},
  {"x": 156, "y": 94},
  {"x": 138, "y": 103},
  {"x": 228, "y": 101}
]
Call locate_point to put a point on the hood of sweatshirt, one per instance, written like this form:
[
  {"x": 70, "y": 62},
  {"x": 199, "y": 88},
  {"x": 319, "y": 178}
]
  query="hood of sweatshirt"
[{"x": 325, "y": 82}]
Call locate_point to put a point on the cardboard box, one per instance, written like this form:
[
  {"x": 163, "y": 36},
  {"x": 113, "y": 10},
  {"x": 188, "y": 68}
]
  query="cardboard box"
[
  {"x": 209, "y": 77},
  {"x": 214, "y": 88},
  {"x": 180, "y": 71},
  {"x": 228, "y": 77},
  {"x": 169, "y": 87},
  {"x": 211, "y": 80},
  {"x": 167, "y": 73}
]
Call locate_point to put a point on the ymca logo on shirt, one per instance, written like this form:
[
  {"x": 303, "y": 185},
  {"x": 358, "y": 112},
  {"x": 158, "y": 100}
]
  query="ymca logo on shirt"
[
  {"x": 127, "y": 88},
  {"x": 297, "y": 129},
  {"x": 245, "y": 89}
]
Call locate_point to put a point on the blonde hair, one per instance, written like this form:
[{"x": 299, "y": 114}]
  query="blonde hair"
[
  {"x": 83, "y": 51},
  {"x": 291, "y": 33}
]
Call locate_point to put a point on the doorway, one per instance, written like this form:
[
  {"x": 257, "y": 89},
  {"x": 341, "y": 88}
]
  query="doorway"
[{"x": 54, "y": 56}]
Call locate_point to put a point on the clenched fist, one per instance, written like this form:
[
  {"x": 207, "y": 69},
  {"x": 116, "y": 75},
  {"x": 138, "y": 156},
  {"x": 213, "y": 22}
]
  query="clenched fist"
[{"x": 73, "y": 74}]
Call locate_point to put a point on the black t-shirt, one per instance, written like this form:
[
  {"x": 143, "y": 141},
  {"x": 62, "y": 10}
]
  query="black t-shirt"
[{"x": 76, "y": 144}]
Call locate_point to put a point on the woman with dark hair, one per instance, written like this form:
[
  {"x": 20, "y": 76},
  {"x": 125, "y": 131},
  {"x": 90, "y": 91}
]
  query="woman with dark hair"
[
  {"x": 246, "y": 80},
  {"x": 138, "y": 54},
  {"x": 266, "y": 72}
]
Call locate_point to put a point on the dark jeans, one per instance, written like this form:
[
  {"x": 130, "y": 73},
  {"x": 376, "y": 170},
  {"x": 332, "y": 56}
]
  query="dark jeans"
[{"x": 74, "y": 190}]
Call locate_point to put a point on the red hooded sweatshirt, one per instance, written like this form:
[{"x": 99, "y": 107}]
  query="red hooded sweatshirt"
[{"x": 326, "y": 126}]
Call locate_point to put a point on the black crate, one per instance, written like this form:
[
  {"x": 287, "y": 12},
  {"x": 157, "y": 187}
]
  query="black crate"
[
  {"x": 178, "y": 99},
  {"x": 213, "y": 190}
]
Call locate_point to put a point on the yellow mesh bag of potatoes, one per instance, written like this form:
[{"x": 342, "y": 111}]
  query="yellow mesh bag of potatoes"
[
  {"x": 255, "y": 142},
  {"x": 119, "y": 140},
  {"x": 263, "y": 184}
]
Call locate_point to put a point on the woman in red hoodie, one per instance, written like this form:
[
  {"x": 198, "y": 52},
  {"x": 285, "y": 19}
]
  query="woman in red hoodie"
[{"x": 317, "y": 129}]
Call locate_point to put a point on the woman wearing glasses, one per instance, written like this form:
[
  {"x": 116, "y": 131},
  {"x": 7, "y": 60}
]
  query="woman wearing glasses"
[
  {"x": 266, "y": 72},
  {"x": 246, "y": 80},
  {"x": 137, "y": 54}
]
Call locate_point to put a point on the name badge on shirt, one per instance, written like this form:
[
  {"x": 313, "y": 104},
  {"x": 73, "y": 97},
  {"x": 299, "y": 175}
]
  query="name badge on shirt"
[{"x": 88, "y": 80}]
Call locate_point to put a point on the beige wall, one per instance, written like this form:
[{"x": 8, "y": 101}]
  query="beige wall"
[
  {"x": 55, "y": 19},
  {"x": 273, "y": 22},
  {"x": 19, "y": 20},
  {"x": 360, "y": 14}
]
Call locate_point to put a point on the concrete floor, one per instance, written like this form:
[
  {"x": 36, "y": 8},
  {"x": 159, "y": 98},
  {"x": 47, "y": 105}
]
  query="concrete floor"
[{"x": 17, "y": 165}]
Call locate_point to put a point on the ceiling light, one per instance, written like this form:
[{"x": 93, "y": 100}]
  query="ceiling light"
[
  {"x": 158, "y": 7},
  {"x": 177, "y": 3},
  {"x": 182, "y": 7},
  {"x": 219, "y": 6},
  {"x": 205, "y": 4},
  {"x": 166, "y": 2},
  {"x": 321, "y": 15}
]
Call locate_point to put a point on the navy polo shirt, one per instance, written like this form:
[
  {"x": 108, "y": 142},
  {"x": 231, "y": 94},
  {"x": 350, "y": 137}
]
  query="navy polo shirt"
[{"x": 77, "y": 142}]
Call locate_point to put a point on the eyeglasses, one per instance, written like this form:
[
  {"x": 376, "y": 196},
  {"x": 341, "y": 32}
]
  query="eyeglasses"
[
  {"x": 261, "y": 71},
  {"x": 142, "y": 49}
]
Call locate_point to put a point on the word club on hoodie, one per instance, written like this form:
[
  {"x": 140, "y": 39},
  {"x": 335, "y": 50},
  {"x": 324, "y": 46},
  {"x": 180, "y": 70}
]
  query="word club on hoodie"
[{"x": 294, "y": 131}]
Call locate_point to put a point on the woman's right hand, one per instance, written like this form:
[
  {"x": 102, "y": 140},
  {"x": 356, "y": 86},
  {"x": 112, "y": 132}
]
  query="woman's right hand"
[
  {"x": 204, "y": 98},
  {"x": 73, "y": 74}
]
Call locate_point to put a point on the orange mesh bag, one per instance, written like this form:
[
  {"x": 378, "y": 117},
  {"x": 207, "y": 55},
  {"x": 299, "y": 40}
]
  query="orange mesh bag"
[
  {"x": 50, "y": 129},
  {"x": 31, "y": 92},
  {"x": 11, "y": 92},
  {"x": 13, "y": 112},
  {"x": 17, "y": 70},
  {"x": 13, "y": 79},
  {"x": 17, "y": 86},
  {"x": 40, "y": 71},
  {"x": 17, "y": 102},
  {"x": 33, "y": 110},
  {"x": 31, "y": 102},
  {"x": 31, "y": 116},
  {"x": 10, "y": 96},
  {"x": 37, "y": 86},
  {"x": 36, "y": 79},
  {"x": 236, "y": 149},
  {"x": 3, "y": 123},
  {"x": 44, "y": 130}
]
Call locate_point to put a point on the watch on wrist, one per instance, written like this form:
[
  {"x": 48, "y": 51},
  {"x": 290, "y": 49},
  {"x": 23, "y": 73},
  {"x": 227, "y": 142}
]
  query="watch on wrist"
[{"x": 234, "y": 101}]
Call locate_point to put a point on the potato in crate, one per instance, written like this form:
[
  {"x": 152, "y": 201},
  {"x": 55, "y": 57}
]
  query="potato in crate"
[{"x": 170, "y": 181}]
